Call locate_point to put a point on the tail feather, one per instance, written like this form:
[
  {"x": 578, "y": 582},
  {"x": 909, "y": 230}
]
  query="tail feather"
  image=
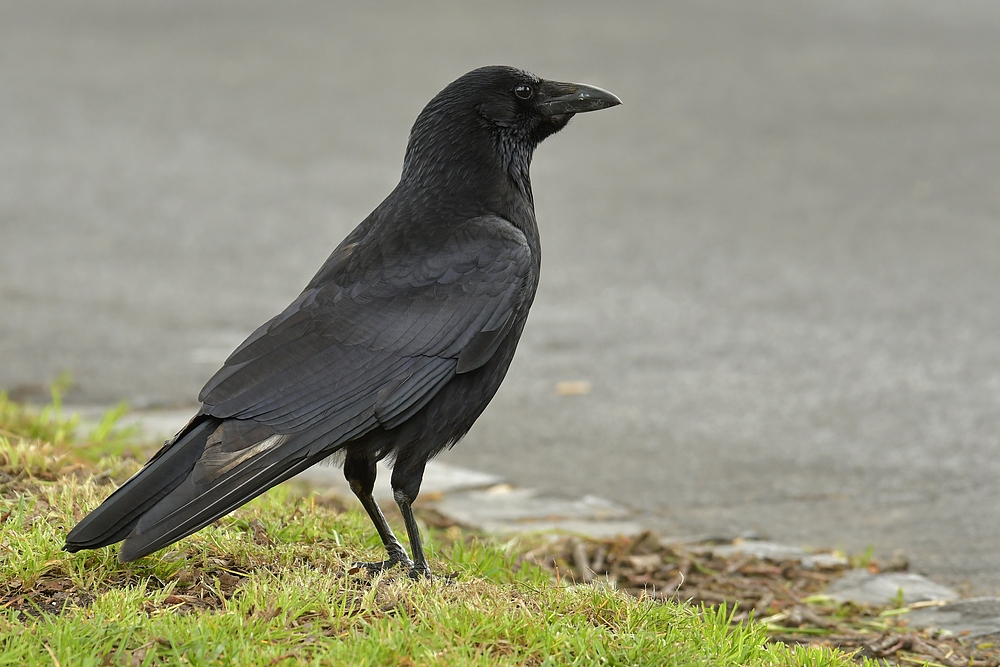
[
  {"x": 190, "y": 507},
  {"x": 118, "y": 515},
  {"x": 211, "y": 468}
]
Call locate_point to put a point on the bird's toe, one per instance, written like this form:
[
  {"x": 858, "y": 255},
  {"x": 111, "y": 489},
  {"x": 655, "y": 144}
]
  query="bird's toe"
[
  {"x": 376, "y": 567},
  {"x": 417, "y": 572}
]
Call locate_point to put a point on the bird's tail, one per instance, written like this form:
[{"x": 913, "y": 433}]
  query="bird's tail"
[
  {"x": 212, "y": 467},
  {"x": 119, "y": 514}
]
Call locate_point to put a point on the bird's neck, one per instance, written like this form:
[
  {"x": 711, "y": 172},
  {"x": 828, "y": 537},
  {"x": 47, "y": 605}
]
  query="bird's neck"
[
  {"x": 475, "y": 163},
  {"x": 515, "y": 160}
]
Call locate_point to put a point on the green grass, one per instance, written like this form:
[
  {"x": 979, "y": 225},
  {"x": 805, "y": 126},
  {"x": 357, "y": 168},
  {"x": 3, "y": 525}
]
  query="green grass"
[{"x": 272, "y": 584}]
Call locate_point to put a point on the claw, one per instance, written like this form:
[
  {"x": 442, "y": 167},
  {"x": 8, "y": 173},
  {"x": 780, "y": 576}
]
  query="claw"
[
  {"x": 419, "y": 573},
  {"x": 377, "y": 567}
]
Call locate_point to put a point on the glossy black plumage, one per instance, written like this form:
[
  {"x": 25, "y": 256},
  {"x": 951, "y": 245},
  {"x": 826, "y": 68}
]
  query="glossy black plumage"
[{"x": 393, "y": 349}]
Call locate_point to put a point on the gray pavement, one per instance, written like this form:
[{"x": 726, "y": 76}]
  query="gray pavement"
[{"x": 777, "y": 264}]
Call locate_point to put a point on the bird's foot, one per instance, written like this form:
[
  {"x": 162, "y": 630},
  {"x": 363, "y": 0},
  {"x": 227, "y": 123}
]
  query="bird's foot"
[
  {"x": 379, "y": 566},
  {"x": 397, "y": 556},
  {"x": 419, "y": 572}
]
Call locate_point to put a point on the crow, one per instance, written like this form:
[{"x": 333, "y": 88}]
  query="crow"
[{"x": 393, "y": 349}]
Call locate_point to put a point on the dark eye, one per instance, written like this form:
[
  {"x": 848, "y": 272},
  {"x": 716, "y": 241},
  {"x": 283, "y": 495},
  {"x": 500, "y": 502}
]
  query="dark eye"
[{"x": 524, "y": 91}]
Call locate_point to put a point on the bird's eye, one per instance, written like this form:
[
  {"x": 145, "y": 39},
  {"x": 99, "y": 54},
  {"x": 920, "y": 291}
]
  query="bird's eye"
[{"x": 524, "y": 91}]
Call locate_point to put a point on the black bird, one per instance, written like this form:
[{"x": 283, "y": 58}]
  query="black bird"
[{"x": 393, "y": 349}]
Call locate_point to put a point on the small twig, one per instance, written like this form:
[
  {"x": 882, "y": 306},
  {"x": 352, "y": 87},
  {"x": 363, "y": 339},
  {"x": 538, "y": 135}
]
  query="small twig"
[
  {"x": 55, "y": 660},
  {"x": 764, "y": 602},
  {"x": 581, "y": 563},
  {"x": 737, "y": 564},
  {"x": 634, "y": 544},
  {"x": 598, "y": 565},
  {"x": 673, "y": 587}
]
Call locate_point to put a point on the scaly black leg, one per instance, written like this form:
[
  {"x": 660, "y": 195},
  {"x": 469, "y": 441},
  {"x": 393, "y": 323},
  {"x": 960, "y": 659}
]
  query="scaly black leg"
[
  {"x": 420, "y": 568},
  {"x": 360, "y": 472},
  {"x": 406, "y": 480}
]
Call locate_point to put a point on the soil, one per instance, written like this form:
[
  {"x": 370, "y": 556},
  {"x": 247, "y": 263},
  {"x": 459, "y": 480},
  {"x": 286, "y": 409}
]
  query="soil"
[{"x": 783, "y": 594}]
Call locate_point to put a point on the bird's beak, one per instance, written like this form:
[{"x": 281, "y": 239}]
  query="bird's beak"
[{"x": 556, "y": 98}]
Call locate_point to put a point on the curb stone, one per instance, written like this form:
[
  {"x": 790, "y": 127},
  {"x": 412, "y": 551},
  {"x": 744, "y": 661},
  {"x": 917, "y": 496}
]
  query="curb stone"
[
  {"x": 505, "y": 509},
  {"x": 979, "y": 617},
  {"x": 773, "y": 551},
  {"x": 862, "y": 587}
]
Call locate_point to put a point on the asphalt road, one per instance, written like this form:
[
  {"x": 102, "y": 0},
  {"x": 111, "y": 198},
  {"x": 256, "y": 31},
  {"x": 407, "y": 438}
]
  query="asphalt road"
[{"x": 778, "y": 263}]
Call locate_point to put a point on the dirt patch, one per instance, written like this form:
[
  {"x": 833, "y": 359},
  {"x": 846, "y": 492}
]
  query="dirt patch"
[
  {"x": 782, "y": 593},
  {"x": 195, "y": 589},
  {"x": 46, "y": 596}
]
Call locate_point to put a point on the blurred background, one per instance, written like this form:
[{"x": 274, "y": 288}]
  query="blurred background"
[{"x": 772, "y": 276}]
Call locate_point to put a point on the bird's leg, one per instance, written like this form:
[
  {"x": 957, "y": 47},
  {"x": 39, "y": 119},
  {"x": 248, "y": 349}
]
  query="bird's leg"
[
  {"x": 420, "y": 568},
  {"x": 360, "y": 472},
  {"x": 405, "y": 486}
]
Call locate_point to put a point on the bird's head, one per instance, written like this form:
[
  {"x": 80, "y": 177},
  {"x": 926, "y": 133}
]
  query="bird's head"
[
  {"x": 496, "y": 114},
  {"x": 521, "y": 104}
]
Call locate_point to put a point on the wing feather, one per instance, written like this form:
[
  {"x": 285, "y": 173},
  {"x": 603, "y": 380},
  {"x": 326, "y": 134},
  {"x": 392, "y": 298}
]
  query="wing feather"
[{"x": 344, "y": 340}]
